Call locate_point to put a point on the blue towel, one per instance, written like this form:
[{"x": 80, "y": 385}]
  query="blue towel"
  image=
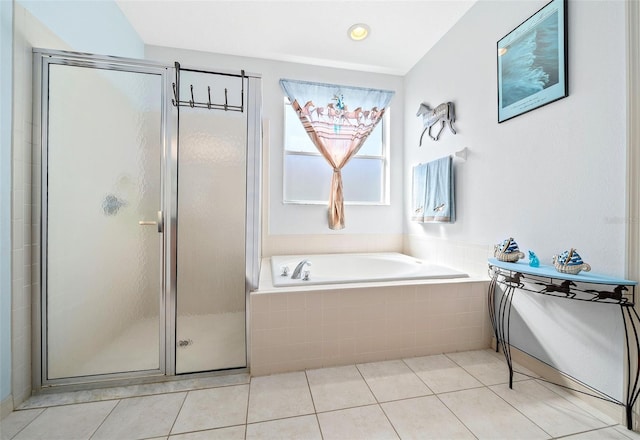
[
  {"x": 437, "y": 188},
  {"x": 419, "y": 191}
]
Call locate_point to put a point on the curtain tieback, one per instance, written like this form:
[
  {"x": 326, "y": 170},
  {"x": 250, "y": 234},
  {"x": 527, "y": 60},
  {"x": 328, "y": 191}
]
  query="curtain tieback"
[{"x": 336, "y": 170}]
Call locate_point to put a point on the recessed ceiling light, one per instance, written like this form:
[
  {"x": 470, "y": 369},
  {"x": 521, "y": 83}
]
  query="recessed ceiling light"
[{"x": 358, "y": 32}]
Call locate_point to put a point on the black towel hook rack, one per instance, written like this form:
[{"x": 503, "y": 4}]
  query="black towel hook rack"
[{"x": 209, "y": 104}]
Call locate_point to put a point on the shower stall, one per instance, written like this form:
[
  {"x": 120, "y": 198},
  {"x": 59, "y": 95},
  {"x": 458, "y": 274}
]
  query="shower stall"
[{"x": 149, "y": 217}]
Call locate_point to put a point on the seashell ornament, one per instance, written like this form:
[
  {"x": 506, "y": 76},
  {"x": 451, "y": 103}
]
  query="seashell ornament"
[
  {"x": 570, "y": 262},
  {"x": 508, "y": 251}
]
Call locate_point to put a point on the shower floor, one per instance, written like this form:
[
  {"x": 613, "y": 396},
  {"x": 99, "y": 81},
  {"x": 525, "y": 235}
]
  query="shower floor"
[{"x": 215, "y": 341}]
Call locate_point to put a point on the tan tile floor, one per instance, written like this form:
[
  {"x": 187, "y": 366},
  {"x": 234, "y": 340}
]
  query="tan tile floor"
[{"x": 453, "y": 396}]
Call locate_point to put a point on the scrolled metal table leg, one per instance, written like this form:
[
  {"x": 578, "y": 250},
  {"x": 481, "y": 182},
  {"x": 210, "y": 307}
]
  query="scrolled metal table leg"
[
  {"x": 507, "y": 341},
  {"x": 502, "y": 323},
  {"x": 631, "y": 318},
  {"x": 491, "y": 300}
]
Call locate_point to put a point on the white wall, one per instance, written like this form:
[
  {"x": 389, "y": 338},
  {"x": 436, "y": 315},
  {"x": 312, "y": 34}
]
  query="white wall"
[
  {"x": 90, "y": 26},
  {"x": 553, "y": 178},
  {"x": 6, "y": 55},
  {"x": 303, "y": 228}
]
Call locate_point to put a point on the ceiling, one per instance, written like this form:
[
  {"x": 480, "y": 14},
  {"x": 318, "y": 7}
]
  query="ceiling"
[{"x": 304, "y": 31}]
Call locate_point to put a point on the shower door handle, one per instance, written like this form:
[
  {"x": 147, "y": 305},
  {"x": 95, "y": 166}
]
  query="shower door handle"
[{"x": 159, "y": 222}]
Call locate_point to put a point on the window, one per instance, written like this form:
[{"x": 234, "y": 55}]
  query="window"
[{"x": 307, "y": 175}]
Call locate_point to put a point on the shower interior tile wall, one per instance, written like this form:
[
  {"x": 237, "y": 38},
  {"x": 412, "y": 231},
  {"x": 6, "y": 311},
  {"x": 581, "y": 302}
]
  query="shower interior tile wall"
[{"x": 299, "y": 330}]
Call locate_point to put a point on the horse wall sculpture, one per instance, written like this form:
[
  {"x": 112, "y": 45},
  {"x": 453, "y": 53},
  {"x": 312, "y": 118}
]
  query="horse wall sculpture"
[{"x": 443, "y": 113}]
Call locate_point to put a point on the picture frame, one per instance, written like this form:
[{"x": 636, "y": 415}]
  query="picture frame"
[{"x": 532, "y": 62}]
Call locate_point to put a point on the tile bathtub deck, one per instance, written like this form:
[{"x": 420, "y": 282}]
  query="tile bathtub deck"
[{"x": 453, "y": 396}]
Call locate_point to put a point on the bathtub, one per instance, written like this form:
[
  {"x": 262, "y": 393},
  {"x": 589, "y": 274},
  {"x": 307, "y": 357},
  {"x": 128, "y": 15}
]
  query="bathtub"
[
  {"x": 359, "y": 308},
  {"x": 356, "y": 268}
]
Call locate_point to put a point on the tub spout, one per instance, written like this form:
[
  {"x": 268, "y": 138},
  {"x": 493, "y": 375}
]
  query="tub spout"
[{"x": 296, "y": 272}]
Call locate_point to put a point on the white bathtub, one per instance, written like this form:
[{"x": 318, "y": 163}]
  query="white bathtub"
[{"x": 357, "y": 268}]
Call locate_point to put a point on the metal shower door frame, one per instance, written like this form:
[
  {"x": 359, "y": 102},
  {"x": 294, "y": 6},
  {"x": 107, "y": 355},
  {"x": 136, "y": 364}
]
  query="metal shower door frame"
[
  {"x": 252, "y": 105},
  {"x": 42, "y": 59}
]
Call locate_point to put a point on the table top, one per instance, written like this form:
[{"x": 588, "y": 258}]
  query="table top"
[{"x": 551, "y": 272}]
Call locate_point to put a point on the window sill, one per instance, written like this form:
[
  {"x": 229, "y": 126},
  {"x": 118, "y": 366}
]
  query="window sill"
[{"x": 325, "y": 203}]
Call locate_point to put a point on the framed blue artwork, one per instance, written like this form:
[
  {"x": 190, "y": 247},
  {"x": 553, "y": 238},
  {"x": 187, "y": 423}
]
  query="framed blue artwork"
[{"x": 532, "y": 62}]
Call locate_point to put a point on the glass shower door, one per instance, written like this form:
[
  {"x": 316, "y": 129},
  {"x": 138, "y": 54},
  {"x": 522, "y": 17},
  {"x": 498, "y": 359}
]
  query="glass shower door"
[
  {"x": 212, "y": 197},
  {"x": 102, "y": 213}
]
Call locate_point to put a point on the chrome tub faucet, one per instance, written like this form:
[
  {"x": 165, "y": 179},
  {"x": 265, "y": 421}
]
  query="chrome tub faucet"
[{"x": 296, "y": 272}]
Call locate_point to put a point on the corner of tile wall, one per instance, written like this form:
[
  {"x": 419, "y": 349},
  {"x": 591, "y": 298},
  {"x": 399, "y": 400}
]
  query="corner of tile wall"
[
  {"x": 6, "y": 406},
  {"x": 28, "y": 33},
  {"x": 22, "y": 223},
  {"x": 467, "y": 257},
  {"x": 329, "y": 243}
]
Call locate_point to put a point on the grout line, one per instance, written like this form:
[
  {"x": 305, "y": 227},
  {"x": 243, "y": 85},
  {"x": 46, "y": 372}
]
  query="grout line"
[
  {"x": 488, "y": 387},
  {"x": 590, "y": 430},
  {"x": 518, "y": 409},
  {"x": 348, "y": 407},
  {"x": 367, "y": 384},
  {"x": 319, "y": 427},
  {"x": 315, "y": 410},
  {"x": 105, "y": 419},
  {"x": 313, "y": 403},
  {"x": 42, "y": 410},
  {"x": 389, "y": 420},
  {"x": 478, "y": 379},
  {"x": 455, "y": 415},
  {"x": 169, "y": 436},
  {"x": 257, "y": 422},
  {"x": 178, "y": 413},
  {"x": 82, "y": 402},
  {"x": 419, "y": 378},
  {"x": 123, "y": 397},
  {"x": 377, "y": 400},
  {"x": 635, "y": 436},
  {"x": 526, "y": 378},
  {"x": 599, "y": 429},
  {"x": 246, "y": 413},
  {"x": 542, "y": 383}
]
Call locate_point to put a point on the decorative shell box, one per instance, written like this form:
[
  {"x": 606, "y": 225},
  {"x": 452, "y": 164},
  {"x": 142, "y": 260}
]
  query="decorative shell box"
[
  {"x": 567, "y": 262},
  {"x": 508, "y": 251},
  {"x": 570, "y": 262}
]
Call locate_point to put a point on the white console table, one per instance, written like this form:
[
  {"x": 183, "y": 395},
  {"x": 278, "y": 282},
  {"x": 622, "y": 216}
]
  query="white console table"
[{"x": 586, "y": 286}]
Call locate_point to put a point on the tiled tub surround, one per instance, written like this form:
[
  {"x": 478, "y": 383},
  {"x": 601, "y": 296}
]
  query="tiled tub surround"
[{"x": 294, "y": 329}]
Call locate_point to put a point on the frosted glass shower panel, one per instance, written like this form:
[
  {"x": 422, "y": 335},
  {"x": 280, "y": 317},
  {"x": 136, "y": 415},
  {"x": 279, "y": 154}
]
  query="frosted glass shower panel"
[
  {"x": 103, "y": 269},
  {"x": 212, "y": 161}
]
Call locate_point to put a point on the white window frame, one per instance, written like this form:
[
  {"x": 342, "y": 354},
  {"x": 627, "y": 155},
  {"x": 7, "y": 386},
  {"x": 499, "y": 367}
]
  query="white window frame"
[{"x": 385, "y": 158}]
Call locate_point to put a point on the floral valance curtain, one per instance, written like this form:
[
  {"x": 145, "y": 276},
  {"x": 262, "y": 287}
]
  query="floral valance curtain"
[{"x": 338, "y": 119}]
